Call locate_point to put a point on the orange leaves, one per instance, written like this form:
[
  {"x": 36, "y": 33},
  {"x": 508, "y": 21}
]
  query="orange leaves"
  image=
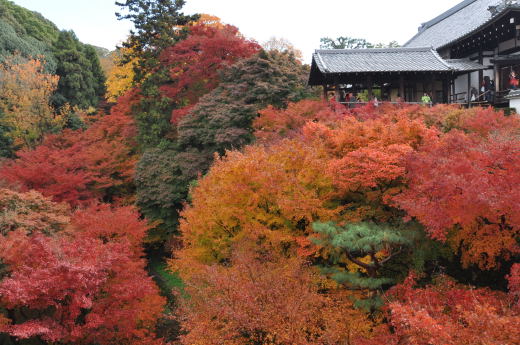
[
  {"x": 275, "y": 123},
  {"x": 266, "y": 299},
  {"x": 26, "y": 91},
  {"x": 277, "y": 192},
  {"x": 30, "y": 212},
  {"x": 447, "y": 313},
  {"x": 193, "y": 63}
]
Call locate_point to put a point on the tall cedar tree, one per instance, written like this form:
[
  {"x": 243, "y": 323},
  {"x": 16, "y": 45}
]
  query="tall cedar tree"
[
  {"x": 158, "y": 25},
  {"x": 220, "y": 121},
  {"x": 81, "y": 78}
]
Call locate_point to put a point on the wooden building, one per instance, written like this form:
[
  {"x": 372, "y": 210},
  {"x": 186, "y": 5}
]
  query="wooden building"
[{"x": 474, "y": 44}]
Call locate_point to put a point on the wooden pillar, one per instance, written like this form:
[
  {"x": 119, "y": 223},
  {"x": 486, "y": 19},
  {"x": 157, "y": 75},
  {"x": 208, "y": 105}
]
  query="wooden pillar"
[
  {"x": 469, "y": 89},
  {"x": 401, "y": 87},
  {"x": 496, "y": 70},
  {"x": 452, "y": 85},
  {"x": 432, "y": 89},
  {"x": 337, "y": 92},
  {"x": 324, "y": 96},
  {"x": 445, "y": 89},
  {"x": 369, "y": 87},
  {"x": 480, "y": 72}
]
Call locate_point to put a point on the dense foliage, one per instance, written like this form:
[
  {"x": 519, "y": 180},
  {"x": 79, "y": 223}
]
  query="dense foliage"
[
  {"x": 337, "y": 196},
  {"x": 27, "y": 33},
  {"x": 74, "y": 277},
  {"x": 26, "y": 92},
  {"x": 220, "y": 120},
  {"x": 82, "y": 81},
  {"x": 285, "y": 219}
]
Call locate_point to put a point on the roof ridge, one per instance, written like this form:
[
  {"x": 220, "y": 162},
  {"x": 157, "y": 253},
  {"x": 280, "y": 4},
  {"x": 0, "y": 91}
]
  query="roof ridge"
[
  {"x": 446, "y": 14},
  {"x": 436, "y": 54},
  {"x": 372, "y": 50}
]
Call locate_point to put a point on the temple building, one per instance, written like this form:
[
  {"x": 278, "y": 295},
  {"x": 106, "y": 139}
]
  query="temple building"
[{"x": 465, "y": 55}]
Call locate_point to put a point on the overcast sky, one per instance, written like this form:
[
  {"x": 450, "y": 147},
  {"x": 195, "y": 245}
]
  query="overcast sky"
[{"x": 303, "y": 22}]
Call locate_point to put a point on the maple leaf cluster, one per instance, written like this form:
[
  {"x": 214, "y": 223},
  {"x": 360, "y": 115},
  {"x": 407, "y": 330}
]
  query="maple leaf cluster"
[
  {"x": 75, "y": 277},
  {"x": 83, "y": 166}
]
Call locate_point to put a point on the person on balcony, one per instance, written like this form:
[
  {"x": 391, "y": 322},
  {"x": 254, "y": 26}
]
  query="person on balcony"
[
  {"x": 426, "y": 99},
  {"x": 513, "y": 80}
]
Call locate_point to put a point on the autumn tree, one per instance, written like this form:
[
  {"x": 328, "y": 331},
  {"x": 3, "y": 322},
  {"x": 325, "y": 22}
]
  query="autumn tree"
[
  {"x": 25, "y": 101},
  {"x": 194, "y": 63},
  {"x": 266, "y": 299},
  {"x": 277, "y": 193},
  {"x": 221, "y": 120},
  {"x": 82, "y": 166},
  {"x": 446, "y": 313},
  {"x": 31, "y": 212},
  {"x": 121, "y": 77},
  {"x": 462, "y": 190},
  {"x": 74, "y": 278},
  {"x": 274, "y": 124}
]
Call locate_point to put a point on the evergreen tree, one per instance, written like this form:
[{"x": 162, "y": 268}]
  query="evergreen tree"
[
  {"x": 6, "y": 142},
  {"x": 97, "y": 71},
  {"x": 358, "y": 253},
  {"x": 158, "y": 25},
  {"x": 81, "y": 77}
]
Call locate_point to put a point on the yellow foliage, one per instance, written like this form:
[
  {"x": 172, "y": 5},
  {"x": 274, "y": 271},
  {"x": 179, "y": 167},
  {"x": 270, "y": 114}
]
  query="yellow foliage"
[
  {"x": 25, "y": 101},
  {"x": 277, "y": 194},
  {"x": 121, "y": 77}
]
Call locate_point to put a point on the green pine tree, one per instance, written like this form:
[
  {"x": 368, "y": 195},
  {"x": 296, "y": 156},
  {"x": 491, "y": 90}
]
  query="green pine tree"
[{"x": 370, "y": 248}]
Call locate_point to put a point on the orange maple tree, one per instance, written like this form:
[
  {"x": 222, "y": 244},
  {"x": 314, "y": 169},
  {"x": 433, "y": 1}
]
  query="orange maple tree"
[{"x": 263, "y": 298}]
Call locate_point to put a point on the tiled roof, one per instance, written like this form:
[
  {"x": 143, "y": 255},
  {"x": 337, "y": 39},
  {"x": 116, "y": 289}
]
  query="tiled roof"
[
  {"x": 464, "y": 65},
  {"x": 457, "y": 22},
  {"x": 379, "y": 60}
]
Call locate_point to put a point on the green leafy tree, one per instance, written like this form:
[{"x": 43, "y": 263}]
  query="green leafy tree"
[
  {"x": 344, "y": 42},
  {"x": 26, "y": 33},
  {"x": 81, "y": 77},
  {"x": 6, "y": 142},
  {"x": 162, "y": 188},
  {"x": 222, "y": 120}
]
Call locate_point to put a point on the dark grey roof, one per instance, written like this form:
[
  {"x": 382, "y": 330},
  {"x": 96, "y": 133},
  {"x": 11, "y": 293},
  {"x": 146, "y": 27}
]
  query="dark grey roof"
[
  {"x": 379, "y": 60},
  {"x": 457, "y": 22},
  {"x": 464, "y": 65}
]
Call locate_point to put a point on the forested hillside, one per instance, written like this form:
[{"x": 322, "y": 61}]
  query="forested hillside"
[{"x": 202, "y": 193}]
